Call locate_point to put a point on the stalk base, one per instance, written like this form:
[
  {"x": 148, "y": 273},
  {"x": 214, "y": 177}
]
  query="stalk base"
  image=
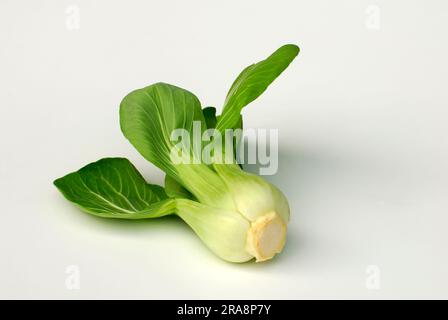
[{"x": 266, "y": 236}]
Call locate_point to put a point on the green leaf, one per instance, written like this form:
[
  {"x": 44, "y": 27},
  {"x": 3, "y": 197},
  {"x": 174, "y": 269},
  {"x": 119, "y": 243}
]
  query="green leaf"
[
  {"x": 113, "y": 188},
  {"x": 252, "y": 82},
  {"x": 148, "y": 117}
]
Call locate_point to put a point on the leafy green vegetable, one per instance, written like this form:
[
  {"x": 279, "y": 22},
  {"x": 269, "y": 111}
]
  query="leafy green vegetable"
[
  {"x": 113, "y": 188},
  {"x": 238, "y": 215}
]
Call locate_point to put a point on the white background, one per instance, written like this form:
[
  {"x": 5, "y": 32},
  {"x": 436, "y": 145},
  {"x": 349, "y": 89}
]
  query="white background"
[{"x": 362, "y": 115}]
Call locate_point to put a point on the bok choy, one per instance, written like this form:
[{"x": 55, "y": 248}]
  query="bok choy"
[{"x": 238, "y": 215}]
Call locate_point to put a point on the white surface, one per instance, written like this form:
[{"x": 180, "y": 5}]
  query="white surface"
[{"x": 363, "y": 144}]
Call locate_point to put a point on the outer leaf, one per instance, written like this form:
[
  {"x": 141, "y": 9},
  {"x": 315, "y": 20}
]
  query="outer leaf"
[
  {"x": 148, "y": 117},
  {"x": 252, "y": 82},
  {"x": 113, "y": 188}
]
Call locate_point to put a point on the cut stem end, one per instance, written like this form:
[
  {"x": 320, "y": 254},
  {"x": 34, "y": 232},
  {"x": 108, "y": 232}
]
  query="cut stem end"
[{"x": 266, "y": 236}]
